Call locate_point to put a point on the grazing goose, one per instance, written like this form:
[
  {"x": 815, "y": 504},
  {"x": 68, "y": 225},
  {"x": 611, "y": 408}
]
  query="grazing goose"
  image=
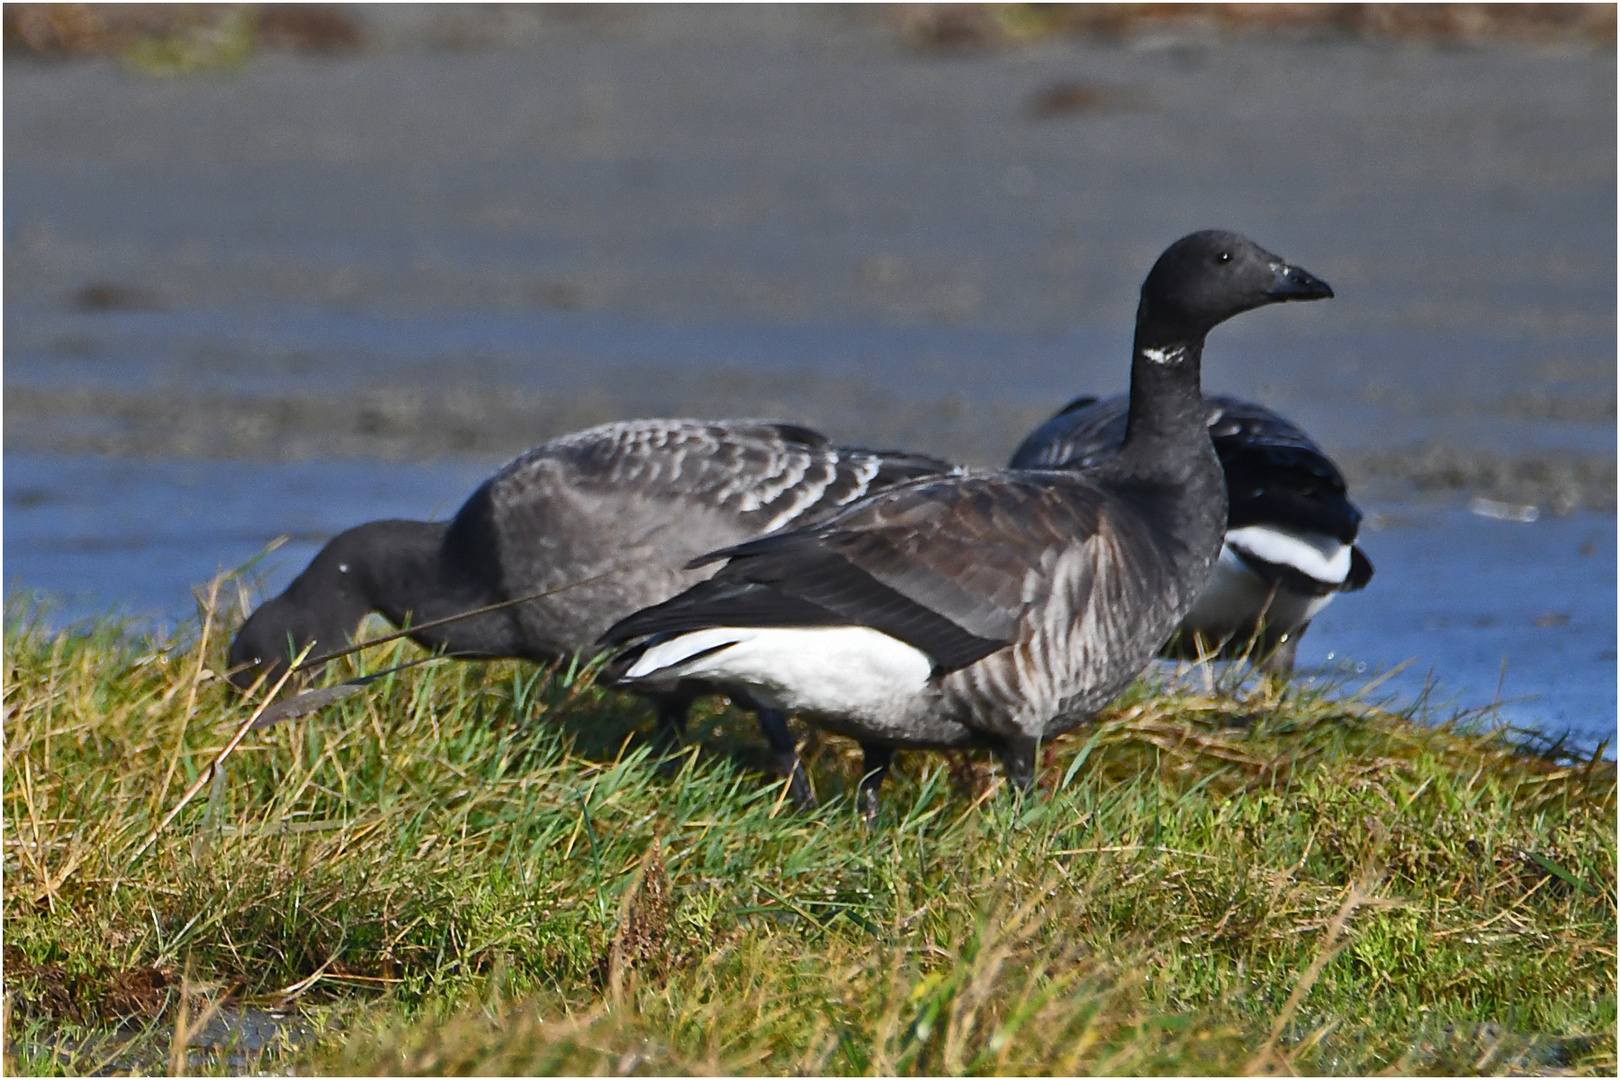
[
  {"x": 622, "y": 508},
  {"x": 994, "y": 609},
  {"x": 1290, "y": 527}
]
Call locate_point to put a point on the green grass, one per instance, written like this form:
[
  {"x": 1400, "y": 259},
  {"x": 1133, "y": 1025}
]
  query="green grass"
[{"x": 484, "y": 868}]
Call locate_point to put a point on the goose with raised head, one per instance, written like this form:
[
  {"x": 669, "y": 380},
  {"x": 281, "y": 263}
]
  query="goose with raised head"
[
  {"x": 1291, "y": 528},
  {"x": 995, "y": 609},
  {"x": 608, "y": 517}
]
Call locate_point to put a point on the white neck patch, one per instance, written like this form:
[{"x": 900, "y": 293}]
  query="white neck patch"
[{"x": 1172, "y": 355}]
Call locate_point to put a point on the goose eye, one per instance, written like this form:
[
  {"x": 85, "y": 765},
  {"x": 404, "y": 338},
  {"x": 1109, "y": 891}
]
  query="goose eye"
[{"x": 1224, "y": 257}]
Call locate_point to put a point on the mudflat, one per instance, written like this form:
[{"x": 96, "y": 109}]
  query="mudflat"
[{"x": 477, "y": 231}]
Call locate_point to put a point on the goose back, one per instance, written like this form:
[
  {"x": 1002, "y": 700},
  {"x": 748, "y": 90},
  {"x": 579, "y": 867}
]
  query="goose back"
[
  {"x": 612, "y": 516},
  {"x": 1275, "y": 473}
]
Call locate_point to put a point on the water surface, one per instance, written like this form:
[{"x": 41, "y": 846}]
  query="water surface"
[{"x": 1484, "y": 610}]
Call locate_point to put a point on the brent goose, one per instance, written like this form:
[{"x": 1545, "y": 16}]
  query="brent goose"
[
  {"x": 1290, "y": 527},
  {"x": 995, "y": 609},
  {"x": 623, "y": 508}
]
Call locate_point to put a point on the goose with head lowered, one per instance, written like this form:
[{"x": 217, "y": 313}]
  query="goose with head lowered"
[
  {"x": 608, "y": 517},
  {"x": 1291, "y": 528},
  {"x": 995, "y": 609}
]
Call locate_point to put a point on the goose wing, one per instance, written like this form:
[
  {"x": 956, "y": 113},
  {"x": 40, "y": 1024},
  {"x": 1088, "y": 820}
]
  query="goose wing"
[
  {"x": 767, "y": 473},
  {"x": 1275, "y": 474},
  {"x": 949, "y": 566},
  {"x": 1082, "y": 432}
]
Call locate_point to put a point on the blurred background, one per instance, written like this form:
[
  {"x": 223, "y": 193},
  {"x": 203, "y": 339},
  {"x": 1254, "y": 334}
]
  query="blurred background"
[{"x": 277, "y": 270}]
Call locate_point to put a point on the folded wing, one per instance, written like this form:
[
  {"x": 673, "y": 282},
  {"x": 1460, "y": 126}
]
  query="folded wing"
[{"x": 949, "y": 566}]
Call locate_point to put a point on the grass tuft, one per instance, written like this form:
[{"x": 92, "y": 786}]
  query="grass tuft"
[{"x": 486, "y": 868}]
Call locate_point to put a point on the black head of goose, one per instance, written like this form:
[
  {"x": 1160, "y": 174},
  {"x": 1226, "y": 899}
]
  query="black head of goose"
[
  {"x": 1290, "y": 526},
  {"x": 608, "y": 517},
  {"x": 993, "y": 609}
]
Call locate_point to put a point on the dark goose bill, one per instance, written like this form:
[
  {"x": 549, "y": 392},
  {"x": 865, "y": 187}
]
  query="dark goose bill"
[{"x": 1295, "y": 283}]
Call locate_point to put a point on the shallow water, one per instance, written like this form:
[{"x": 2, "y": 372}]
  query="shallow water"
[
  {"x": 111, "y": 533},
  {"x": 235, "y": 303},
  {"x": 1486, "y": 610}
]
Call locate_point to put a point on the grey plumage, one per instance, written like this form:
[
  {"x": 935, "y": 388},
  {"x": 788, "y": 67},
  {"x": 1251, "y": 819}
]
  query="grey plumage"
[
  {"x": 995, "y": 609},
  {"x": 1291, "y": 527},
  {"x": 609, "y": 517},
  {"x": 637, "y": 501}
]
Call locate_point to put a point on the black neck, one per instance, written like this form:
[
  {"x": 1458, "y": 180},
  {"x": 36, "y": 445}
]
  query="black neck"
[
  {"x": 389, "y": 567},
  {"x": 412, "y": 574},
  {"x": 396, "y": 568},
  {"x": 393, "y": 565},
  {"x": 1166, "y": 403},
  {"x": 380, "y": 566}
]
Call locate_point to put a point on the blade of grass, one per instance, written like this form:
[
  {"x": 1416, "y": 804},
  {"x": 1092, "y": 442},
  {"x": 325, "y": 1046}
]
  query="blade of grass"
[
  {"x": 206, "y": 775},
  {"x": 191, "y": 694}
]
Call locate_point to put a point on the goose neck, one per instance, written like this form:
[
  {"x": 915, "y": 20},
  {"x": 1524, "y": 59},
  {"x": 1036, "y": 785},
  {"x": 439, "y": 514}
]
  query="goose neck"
[{"x": 1166, "y": 403}]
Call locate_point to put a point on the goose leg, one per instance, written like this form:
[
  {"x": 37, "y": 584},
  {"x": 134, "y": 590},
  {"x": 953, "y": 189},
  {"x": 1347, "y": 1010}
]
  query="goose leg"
[
  {"x": 1018, "y": 759},
  {"x": 773, "y": 722},
  {"x": 1280, "y": 661},
  {"x": 671, "y": 724},
  {"x": 874, "y": 767}
]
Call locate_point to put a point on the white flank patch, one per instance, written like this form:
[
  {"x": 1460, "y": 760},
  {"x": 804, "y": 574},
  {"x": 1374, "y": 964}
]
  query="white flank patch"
[
  {"x": 1236, "y": 597},
  {"x": 666, "y": 656},
  {"x": 850, "y": 671},
  {"x": 1312, "y": 554}
]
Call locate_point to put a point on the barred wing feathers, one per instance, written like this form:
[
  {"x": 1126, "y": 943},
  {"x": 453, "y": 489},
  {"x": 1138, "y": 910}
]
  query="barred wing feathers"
[
  {"x": 610, "y": 516},
  {"x": 950, "y": 566}
]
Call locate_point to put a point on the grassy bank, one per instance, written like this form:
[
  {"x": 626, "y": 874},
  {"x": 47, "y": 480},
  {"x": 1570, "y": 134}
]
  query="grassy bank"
[{"x": 483, "y": 868}]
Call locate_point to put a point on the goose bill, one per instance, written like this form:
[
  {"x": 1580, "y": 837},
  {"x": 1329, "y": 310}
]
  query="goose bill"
[{"x": 1295, "y": 283}]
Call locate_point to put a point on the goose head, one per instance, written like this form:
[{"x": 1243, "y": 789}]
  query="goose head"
[{"x": 1207, "y": 277}]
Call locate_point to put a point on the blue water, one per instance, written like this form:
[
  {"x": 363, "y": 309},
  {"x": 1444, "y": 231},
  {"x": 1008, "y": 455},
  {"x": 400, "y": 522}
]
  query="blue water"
[
  {"x": 101, "y": 534},
  {"x": 1485, "y": 610}
]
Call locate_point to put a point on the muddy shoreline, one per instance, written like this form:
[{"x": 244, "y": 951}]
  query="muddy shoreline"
[
  {"x": 469, "y": 230},
  {"x": 414, "y": 425}
]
